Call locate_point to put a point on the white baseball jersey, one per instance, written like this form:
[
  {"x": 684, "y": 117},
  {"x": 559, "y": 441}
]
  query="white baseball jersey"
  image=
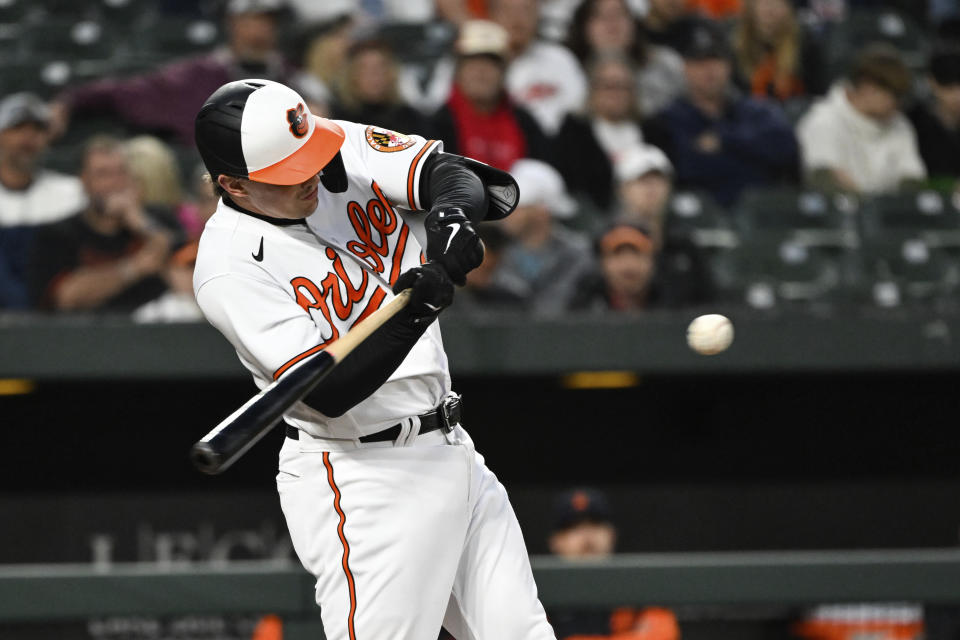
[{"x": 281, "y": 292}]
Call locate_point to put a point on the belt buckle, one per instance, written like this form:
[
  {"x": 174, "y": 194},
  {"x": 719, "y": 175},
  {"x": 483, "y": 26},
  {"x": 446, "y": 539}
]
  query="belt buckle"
[{"x": 450, "y": 412}]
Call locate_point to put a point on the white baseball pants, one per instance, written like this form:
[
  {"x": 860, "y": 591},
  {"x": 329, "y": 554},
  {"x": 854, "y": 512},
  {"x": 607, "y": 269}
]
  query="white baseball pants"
[{"x": 405, "y": 537}]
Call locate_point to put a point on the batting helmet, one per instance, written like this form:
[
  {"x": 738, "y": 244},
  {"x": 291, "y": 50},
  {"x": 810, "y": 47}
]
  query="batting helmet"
[{"x": 263, "y": 131}]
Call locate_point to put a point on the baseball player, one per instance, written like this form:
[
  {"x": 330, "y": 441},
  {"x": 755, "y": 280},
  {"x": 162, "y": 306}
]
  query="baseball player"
[{"x": 387, "y": 502}]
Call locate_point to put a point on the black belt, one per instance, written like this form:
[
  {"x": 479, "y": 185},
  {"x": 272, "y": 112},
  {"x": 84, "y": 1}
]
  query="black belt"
[{"x": 444, "y": 417}]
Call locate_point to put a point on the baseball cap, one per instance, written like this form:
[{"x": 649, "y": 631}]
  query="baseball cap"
[
  {"x": 580, "y": 505},
  {"x": 640, "y": 160},
  {"x": 264, "y": 131},
  {"x": 704, "y": 39},
  {"x": 540, "y": 183},
  {"x": 625, "y": 235},
  {"x": 238, "y": 7},
  {"x": 18, "y": 108},
  {"x": 482, "y": 37}
]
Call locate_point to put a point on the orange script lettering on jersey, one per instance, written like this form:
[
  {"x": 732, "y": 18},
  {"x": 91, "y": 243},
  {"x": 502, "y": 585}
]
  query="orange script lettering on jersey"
[{"x": 373, "y": 226}]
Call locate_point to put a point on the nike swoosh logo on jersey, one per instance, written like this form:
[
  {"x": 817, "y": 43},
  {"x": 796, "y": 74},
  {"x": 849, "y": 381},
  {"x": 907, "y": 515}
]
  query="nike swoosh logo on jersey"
[
  {"x": 454, "y": 228},
  {"x": 258, "y": 256}
]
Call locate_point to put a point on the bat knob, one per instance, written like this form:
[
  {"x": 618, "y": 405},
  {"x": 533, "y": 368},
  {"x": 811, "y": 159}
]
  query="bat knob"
[{"x": 205, "y": 458}]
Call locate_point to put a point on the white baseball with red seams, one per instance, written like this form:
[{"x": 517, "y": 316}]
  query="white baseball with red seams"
[
  {"x": 402, "y": 536},
  {"x": 710, "y": 334}
]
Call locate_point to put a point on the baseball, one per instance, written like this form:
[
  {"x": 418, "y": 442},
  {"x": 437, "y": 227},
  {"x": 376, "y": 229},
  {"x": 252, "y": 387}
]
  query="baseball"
[{"x": 710, "y": 334}]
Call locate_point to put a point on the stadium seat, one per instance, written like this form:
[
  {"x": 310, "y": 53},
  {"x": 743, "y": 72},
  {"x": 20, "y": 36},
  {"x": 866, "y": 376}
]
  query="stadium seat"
[
  {"x": 42, "y": 78},
  {"x": 910, "y": 272},
  {"x": 15, "y": 11},
  {"x": 414, "y": 43},
  {"x": 72, "y": 10},
  {"x": 910, "y": 213},
  {"x": 809, "y": 217},
  {"x": 862, "y": 27},
  {"x": 699, "y": 217},
  {"x": 71, "y": 40},
  {"x": 174, "y": 36},
  {"x": 790, "y": 273}
]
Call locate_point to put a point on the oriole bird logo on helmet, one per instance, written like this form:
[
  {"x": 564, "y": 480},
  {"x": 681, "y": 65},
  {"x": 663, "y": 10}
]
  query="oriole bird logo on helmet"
[{"x": 298, "y": 124}]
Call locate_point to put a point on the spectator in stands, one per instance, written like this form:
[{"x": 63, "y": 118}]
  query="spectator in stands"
[
  {"x": 479, "y": 120},
  {"x": 716, "y": 9},
  {"x": 583, "y": 528},
  {"x": 718, "y": 141},
  {"x": 938, "y": 122},
  {"x": 635, "y": 274},
  {"x": 29, "y": 195},
  {"x": 666, "y": 23},
  {"x": 166, "y": 101},
  {"x": 548, "y": 96},
  {"x": 588, "y": 146},
  {"x": 201, "y": 204},
  {"x": 324, "y": 57},
  {"x": 109, "y": 256},
  {"x": 608, "y": 26},
  {"x": 547, "y": 258},
  {"x": 156, "y": 176},
  {"x": 776, "y": 58},
  {"x": 487, "y": 288},
  {"x": 624, "y": 281},
  {"x": 644, "y": 185},
  {"x": 856, "y": 138},
  {"x": 367, "y": 90}
]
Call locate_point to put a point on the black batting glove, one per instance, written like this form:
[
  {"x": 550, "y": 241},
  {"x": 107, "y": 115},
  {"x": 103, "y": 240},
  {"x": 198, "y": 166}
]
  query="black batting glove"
[
  {"x": 453, "y": 242},
  {"x": 432, "y": 291}
]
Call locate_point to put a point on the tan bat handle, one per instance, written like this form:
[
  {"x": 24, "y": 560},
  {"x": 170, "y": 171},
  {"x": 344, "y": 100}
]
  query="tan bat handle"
[{"x": 349, "y": 341}]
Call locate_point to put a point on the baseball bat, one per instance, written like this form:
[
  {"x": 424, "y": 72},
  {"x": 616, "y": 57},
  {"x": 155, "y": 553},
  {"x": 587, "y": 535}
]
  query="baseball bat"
[{"x": 239, "y": 431}]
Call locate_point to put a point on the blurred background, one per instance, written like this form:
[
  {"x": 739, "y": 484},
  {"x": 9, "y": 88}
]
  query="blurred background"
[{"x": 793, "y": 164}]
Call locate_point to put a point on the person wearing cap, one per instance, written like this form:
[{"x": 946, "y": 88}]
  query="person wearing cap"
[
  {"x": 479, "y": 119},
  {"x": 644, "y": 185},
  {"x": 665, "y": 23},
  {"x": 109, "y": 257},
  {"x": 627, "y": 258},
  {"x": 165, "y": 101},
  {"x": 937, "y": 121},
  {"x": 546, "y": 257},
  {"x": 719, "y": 141},
  {"x": 29, "y": 194},
  {"x": 319, "y": 224},
  {"x": 856, "y": 138},
  {"x": 583, "y": 528}
]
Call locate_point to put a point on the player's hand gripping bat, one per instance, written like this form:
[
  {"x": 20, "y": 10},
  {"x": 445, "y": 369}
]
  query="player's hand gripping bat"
[{"x": 244, "y": 427}]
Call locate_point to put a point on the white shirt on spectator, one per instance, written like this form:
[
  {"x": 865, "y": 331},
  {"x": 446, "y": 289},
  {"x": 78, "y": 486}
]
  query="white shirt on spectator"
[
  {"x": 50, "y": 197},
  {"x": 616, "y": 138},
  {"x": 878, "y": 156},
  {"x": 547, "y": 80}
]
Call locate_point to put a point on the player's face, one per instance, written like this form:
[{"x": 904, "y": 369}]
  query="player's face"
[{"x": 282, "y": 201}]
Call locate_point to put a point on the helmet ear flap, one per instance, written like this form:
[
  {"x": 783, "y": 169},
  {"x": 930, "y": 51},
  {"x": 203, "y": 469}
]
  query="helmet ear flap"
[{"x": 334, "y": 176}]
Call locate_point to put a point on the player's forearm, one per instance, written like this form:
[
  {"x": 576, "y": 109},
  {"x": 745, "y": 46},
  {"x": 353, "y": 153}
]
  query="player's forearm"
[
  {"x": 447, "y": 182},
  {"x": 88, "y": 287},
  {"x": 367, "y": 367}
]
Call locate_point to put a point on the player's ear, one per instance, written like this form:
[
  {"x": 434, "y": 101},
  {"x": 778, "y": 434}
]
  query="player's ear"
[{"x": 234, "y": 187}]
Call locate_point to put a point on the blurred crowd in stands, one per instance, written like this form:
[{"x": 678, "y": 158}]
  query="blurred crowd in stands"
[{"x": 669, "y": 153}]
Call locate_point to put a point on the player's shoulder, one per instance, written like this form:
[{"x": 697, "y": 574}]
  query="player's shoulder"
[{"x": 229, "y": 246}]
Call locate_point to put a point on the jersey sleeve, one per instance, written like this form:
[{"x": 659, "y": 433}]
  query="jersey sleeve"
[
  {"x": 394, "y": 160},
  {"x": 269, "y": 329}
]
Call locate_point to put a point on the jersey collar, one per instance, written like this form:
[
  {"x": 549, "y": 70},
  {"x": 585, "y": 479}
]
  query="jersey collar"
[{"x": 280, "y": 222}]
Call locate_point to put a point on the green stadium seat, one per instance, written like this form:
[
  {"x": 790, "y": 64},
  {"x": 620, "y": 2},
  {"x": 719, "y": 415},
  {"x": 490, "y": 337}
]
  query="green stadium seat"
[
  {"x": 909, "y": 272},
  {"x": 697, "y": 216},
  {"x": 72, "y": 10},
  {"x": 790, "y": 273},
  {"x": 863, "y": 27},
  {"x": 414, "y": 43},
  {"x": 809, "y": 217},
  {"x": 910, "y": 213},
  {"x": 43, "y": 78},
  {"x": 14, "y": 11},
  {"x": 175, "y": 36},
  {"x": 71, "y": 40}
]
